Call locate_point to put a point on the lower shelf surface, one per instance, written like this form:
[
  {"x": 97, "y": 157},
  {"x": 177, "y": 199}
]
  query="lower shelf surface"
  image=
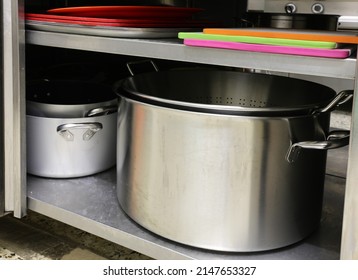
[{"x": 90, "y": 204}]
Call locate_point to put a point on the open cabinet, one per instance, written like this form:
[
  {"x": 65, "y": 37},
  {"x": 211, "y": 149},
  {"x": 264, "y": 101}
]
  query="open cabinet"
[{"x": 90, "y": 203}]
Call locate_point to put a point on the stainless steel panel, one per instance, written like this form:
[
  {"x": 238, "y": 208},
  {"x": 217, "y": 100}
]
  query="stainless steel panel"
[
  {"x": 2, "y": 190},
  {"x": 255, "y": 5},
  {"x": 327, "y": 7},
  {"x": 14, "y": 105}
]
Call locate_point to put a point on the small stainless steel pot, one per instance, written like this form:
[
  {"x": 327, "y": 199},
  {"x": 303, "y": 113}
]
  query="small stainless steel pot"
[
  {"x": 66, "y": 148},
  {"x": 71, "y": 128},
  {"x": 224, "y": 160}
]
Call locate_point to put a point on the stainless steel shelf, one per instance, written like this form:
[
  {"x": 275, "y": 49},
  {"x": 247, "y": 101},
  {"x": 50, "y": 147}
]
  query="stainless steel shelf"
[
  {"x": 173, "y": 49},
  {"x": 91, "y": 204}
]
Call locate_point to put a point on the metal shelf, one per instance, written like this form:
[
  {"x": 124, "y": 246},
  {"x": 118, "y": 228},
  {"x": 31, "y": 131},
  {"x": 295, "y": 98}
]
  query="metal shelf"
[
  {"x": 90, "y": 203},
  {"x": 173, "y": 49}
]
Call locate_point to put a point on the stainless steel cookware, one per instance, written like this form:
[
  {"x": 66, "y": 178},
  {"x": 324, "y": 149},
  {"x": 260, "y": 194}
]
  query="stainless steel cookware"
[
  {"x": 71, "y": 128},
  {"x": 224, "y": 160},
  {"x": 65, "y": 148}
]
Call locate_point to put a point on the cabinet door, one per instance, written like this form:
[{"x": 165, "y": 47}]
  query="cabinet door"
[{"x": 13, "y": 193}]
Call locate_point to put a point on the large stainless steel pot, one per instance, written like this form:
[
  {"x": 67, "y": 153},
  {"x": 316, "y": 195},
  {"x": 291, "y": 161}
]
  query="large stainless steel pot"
[
  {"x": 197, "y": 166},
  {"x": 71, "y": 128}
]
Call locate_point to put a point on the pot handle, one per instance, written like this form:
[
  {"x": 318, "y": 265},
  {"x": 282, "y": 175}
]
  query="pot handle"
[
  {"x": 341, "y": 97},
  {"x": 101, "y": 111},
  {"x": 130, "y": 65},
  {"x": 335, "y": 139},
  {"x": 91, "y": 129}
]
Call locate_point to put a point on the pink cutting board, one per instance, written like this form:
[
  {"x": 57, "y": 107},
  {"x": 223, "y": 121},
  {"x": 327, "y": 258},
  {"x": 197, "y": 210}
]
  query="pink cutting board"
[{"x": 329, "y": 53}]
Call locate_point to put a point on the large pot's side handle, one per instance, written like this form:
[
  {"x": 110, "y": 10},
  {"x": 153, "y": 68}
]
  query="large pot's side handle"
[
  {"x": 335, "y": 139},
  {"x": 341, "y": 97},
  {"x": 91, "y": 129},
  {"x": 132, "y": 63},
  {"x": 101, "y": 111}
]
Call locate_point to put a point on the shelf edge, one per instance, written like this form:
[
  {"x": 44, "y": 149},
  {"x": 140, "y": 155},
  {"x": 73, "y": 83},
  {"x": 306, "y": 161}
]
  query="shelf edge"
[{"x": 175, "y": 50}]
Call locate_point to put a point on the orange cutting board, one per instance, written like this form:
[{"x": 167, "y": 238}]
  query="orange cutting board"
[{"x": 311, "y": 35}]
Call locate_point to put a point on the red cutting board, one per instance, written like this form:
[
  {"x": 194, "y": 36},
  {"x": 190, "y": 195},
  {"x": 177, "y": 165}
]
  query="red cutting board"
[
  {"x": 47, "y": 17},
  {"x": 160, "y": 22},
  {"x": 329, "y": 53},
  {"x": 327, "y": 36},
  {"x": 126, "y": 11}
]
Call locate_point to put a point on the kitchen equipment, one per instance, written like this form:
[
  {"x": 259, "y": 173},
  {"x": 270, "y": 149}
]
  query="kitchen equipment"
[
  {"x": 306, "y": 14},
  {"x": 327, "y": 7},
  {"x": 330, "y": 53},
  {"x": 208, "y": 158},
  {"x": 70, "y": 128}
]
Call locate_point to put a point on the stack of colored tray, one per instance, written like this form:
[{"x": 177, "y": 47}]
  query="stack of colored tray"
[
  {"x": 281, "y": 41},
  {"x": 118, "y": 21}
]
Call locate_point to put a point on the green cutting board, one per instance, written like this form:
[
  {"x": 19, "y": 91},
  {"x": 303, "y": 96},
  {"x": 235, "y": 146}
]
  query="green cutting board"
[{"x": 258, "y": 40}]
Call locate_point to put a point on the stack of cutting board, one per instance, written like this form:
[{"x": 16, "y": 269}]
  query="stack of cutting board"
[
  {"x": 119, "y": 21},
  {"x": 268, "y": 40},
  {"x": 121, "y": 16}
]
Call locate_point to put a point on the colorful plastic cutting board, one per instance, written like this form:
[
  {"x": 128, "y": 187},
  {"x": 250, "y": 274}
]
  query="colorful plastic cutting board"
[
  {"x": 160, "y": 22},
  {"x": 257, "y": 40},
  {"x": 329, "y": 53},
  {"x": 126, "y": 11},
  {"x": 311, "y": 35}
]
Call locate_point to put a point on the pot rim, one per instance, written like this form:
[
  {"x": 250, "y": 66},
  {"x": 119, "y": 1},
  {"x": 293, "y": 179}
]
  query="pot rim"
[{"x": 123, "y": 89}]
